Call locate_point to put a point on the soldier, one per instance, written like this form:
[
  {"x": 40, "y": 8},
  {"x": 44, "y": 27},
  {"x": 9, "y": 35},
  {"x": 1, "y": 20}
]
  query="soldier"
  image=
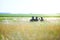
[
  {"x": 41, "y": 19},
  {"x": 32, "y": 18},
  {"x": 36, "y": 19}
]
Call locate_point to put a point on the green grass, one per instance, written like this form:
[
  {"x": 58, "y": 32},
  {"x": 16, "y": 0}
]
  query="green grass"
[
  {"x": 29, "y": 15},
  {"x": 0, "y": 36}
]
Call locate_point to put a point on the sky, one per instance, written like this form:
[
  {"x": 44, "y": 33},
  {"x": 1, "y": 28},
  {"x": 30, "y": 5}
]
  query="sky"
[{"x": 30, "y": 6}]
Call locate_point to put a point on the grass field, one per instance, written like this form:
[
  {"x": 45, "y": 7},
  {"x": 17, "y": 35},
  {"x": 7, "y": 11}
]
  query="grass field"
[
  {"x": 20, "y": 28},
  {"x": 29, "y": 15}
]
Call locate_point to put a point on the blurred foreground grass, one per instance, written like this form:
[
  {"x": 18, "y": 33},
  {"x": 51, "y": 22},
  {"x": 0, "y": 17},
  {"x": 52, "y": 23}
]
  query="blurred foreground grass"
[{"x": 45, "y": 30}]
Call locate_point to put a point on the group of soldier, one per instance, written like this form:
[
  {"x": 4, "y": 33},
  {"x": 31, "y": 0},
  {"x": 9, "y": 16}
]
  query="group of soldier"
[{"x": 36, "y": 19}]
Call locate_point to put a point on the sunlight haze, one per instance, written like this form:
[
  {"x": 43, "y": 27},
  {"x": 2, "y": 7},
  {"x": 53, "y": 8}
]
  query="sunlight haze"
[{"x": 30, "y": 6}]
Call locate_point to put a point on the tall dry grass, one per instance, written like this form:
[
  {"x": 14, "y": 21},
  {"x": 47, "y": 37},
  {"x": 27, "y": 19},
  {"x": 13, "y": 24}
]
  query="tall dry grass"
[{"x": 30, "y": 31}]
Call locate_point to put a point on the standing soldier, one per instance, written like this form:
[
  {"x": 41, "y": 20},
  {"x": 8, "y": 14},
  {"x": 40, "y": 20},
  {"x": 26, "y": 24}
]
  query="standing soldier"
[
  {"x": 41, "y": 19},
  {"x": 36, "y": 19},
  {"x": 32, "y": 18}
]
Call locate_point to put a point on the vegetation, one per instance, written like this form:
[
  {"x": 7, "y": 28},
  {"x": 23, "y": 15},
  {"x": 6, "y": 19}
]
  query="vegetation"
[
  {"x": 29, "y": 15},
  {"x": 31, "y": 31},
  {"x": 45, "y": 30},
  {"x": 0, "y": 36}
]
